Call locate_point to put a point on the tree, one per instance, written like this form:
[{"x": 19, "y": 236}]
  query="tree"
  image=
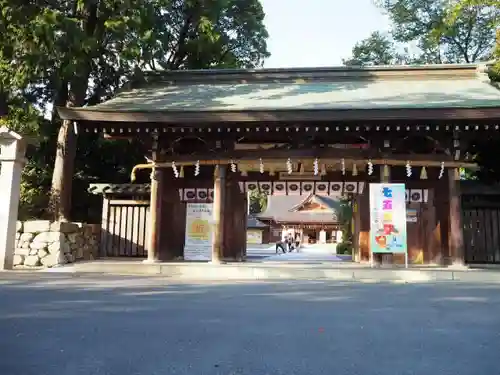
[
  {"x": 17, "y": 67},
  {"x": 468, "y": 39},
  {"x": 345, "y": 218},
  {"x": 457, "y": 9},
  {"x": 85, "y": 49},
  {"x": 377, "y": 49},
  {"x": 24, "y": 119},
  {"x": 460, "y": 31},
  {"x": 20, "y": 64},
  {"x": 257, "y": 202},
  {"x": 485, "y": 151}
]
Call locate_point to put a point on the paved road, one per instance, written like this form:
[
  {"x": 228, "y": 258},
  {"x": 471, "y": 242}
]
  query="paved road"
[
  {"x": 260, "y": 251},
  {"x": 317, "y": 253},
  {"x": 88, "y": 325}
]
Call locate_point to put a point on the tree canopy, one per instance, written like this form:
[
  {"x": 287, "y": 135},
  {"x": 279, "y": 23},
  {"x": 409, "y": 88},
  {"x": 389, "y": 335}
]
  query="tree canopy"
[
  {"x": 439, "y": 30},
  {"x": 469, "y": 38},
  {"x": 457, "y": 9},
  {"x": 78, "y": 52},
  {"x": 485, "y": 151},
  {"x": 377, "y": 49},
  {"x": 443, "y": 31}
]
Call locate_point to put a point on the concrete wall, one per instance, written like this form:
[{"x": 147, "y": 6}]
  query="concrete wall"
[{"x": 42, "y": 243}]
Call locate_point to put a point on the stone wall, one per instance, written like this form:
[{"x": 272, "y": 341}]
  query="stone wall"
[{"x": 43, "y": 243}]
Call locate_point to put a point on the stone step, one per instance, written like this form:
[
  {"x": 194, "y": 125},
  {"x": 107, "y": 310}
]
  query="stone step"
[{"x": 266, "y": 271}]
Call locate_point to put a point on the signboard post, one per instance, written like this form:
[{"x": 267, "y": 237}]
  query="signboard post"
[
  {"x": 199, "y": 232},
  {"x": 388, "y": 220}
]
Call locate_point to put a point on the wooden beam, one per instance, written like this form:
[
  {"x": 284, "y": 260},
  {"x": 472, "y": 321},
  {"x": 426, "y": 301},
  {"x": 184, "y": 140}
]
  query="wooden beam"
[
  {"x": 277, "y": 158},
  {"x": 118, "y": 137},
  {"x": 278, "y": 116},
  {"x": 213, "y": 158}
]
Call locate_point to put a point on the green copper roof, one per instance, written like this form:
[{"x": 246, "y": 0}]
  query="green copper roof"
[
  {"x": 356, "y": 94},
  {"x": 440, "y": 86}
]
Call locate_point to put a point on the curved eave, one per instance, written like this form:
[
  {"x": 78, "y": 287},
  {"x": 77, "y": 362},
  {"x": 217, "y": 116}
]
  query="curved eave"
[
  {"x": 281, "y": 115},
  {"x": 264, "y": 218},
  {"x": 307, "y": 199}
]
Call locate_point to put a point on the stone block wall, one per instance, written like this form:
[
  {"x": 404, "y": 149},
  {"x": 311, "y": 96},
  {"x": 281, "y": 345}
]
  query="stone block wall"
[{"x": 42, "y": 243}]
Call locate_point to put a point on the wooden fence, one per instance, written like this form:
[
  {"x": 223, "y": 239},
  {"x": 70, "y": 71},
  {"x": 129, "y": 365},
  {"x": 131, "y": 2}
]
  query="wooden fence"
[
  {"x": 125, "y": 224},
  {"x": 481, "y": 223}
]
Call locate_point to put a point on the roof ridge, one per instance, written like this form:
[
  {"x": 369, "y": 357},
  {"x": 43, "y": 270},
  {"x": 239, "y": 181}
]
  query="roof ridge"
[
  {"x": 303, "y": 202},
  {"x": 334, "y": 68},
  {"x": 307, "y": 73}
]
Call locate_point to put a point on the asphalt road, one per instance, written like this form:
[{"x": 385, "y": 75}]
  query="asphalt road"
[{"x": 53, "y": 324}]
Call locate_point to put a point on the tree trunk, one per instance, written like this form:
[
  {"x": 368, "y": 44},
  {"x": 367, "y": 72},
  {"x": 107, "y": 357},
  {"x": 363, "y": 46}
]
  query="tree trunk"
[
  {"x": 4, "y": 105},
  {"x": 62, "y": 177}
]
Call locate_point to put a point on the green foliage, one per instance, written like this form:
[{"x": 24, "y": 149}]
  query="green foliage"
[
  {"x": 258, "y": 202},
  {"x": 344, "y": 248},
  {"x": 35, "y": 186},
  {"x": 345, "y": 219},
  {"x": 488, "y": 14},
  {"x": 457, "y": 31},
  {"x": 78, "y": 52},
  {"x": 468, "y": 38},
  {"x": 21, "y": 117},
  {"x": 458, "y": 9},
  {"x": 377, "y": 49},
  {"x": 24, "y": 119}
]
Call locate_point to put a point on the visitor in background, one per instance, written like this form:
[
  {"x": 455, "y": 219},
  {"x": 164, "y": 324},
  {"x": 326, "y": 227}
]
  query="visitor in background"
[
  {"x": 297, "y": 241},
  {"x": 281, "y": 245},
  {"x": 290, "y": 242}
]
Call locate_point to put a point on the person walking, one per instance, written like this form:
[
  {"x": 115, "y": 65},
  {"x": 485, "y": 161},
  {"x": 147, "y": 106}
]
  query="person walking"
[
  {"x": 290, "y": 243},
  {"x": 297, "y": 241},
  {"x": 281, "y": 245}
]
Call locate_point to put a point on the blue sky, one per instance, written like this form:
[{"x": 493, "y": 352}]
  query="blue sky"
[{"x": 310, "y": 33}]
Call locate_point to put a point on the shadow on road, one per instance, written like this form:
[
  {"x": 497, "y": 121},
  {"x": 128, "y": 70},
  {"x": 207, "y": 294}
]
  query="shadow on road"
[{"x": 96, "y": 324}]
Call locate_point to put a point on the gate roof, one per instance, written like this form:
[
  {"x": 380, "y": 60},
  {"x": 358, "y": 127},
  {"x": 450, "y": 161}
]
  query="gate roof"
[{"x": 342, "y": 93}]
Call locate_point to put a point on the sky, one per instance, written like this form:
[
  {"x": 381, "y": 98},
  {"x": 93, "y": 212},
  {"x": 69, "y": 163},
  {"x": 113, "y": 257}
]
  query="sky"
[{"x": 313, "y": 33}]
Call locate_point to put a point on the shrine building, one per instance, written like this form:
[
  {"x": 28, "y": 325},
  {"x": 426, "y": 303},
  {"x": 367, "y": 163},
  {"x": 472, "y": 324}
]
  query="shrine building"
[
  {"x": 316, "y": 134},
  {"x": 310, "y": 218}
]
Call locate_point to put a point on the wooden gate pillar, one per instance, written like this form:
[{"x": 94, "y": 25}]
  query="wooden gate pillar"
[
  {"x": 218, "y": 213},
  {"x": 153, "y": 240},
  {"x": 456, "y": 235},
  {"x": 234, "y": 221},
  {"x": 172, "y": 217},
  {"x": 239, "y": 219}
]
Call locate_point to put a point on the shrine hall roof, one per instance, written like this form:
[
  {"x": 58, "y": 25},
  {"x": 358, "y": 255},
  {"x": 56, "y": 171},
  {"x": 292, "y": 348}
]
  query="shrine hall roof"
[
  {"x": 283, "y": 209},
  {"x": 341, "y": 88},
  {"x": 252, "y": 222}
]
